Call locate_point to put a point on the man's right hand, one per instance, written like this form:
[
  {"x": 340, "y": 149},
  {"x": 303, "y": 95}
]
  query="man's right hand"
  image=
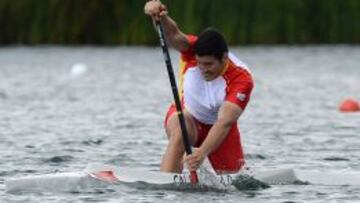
[{"x": 155, "y": 9}]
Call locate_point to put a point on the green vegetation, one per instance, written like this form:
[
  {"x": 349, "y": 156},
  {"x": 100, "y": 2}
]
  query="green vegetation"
[{"x": 113, "y": 22}]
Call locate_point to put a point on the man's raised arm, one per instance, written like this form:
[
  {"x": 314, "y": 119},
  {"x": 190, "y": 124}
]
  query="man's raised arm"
[{"x": 174, "y": 36}]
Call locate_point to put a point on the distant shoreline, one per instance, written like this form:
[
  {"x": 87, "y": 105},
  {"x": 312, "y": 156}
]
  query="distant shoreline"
[{"x": 122, "y": 22}]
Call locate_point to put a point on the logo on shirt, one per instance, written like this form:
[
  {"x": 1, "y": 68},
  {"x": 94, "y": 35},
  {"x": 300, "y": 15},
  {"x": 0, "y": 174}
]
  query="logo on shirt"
[{"x": 241, "y": 96}]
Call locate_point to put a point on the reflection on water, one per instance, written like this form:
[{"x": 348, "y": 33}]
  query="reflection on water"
[{"x": 62, "y": 108}]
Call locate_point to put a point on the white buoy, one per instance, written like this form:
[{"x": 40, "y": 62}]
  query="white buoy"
[{"x": 78, "y": 69}]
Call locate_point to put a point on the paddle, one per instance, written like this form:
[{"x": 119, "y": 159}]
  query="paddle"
[{"x": 185, "y": 136}]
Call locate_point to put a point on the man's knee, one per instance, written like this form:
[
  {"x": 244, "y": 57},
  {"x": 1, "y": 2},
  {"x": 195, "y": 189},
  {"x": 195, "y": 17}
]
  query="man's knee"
[
  {"x": 172, "y": 126},
  {"x": 173, "y": 129}
]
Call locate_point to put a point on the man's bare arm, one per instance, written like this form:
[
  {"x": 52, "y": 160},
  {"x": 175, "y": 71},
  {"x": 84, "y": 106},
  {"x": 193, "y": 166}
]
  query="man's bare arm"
[
  {"x": 228, "y": 115},
  {"x": 175, "y": 37}
]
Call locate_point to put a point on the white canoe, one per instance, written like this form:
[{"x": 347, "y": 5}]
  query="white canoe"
[{"x": 74, "y": 181}]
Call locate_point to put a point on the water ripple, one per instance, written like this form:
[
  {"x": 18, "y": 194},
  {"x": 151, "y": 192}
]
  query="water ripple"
[{"x": 59, "y": 159}]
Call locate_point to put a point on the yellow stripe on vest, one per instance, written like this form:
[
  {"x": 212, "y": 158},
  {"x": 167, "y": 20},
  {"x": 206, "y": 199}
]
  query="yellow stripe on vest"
[{"x": 182, "y": 65}]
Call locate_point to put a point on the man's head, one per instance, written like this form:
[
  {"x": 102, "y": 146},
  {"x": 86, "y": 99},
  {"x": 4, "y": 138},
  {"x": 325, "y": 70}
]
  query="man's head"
[{"x": 211, "y": 53}]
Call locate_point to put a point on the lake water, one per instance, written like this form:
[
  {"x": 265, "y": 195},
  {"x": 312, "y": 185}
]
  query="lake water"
[{"x": 53, "y": 119}]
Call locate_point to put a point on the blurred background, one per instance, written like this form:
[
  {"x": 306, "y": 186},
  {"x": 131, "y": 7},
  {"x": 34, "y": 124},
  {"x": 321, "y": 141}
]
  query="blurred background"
[{"x": 122, "y": 22}]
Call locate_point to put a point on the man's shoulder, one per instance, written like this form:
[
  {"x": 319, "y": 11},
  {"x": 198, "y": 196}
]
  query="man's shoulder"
[
  {"x": 188, "y": 55},
  {"x": 237, "y": 71},
  {"x": 237, "y": 62}
]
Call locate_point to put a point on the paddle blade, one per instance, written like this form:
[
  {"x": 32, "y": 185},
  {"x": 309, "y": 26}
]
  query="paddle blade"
[{"x": 194, "y": 177}]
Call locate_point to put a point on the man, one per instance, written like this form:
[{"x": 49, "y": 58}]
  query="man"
[{"x": 215, "y": 88}]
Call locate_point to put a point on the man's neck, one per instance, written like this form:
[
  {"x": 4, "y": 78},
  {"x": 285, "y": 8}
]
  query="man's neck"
[{"x": 225, "y": 66}]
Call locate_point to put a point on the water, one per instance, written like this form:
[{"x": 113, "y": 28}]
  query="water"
[{"x": 52, "y": 119}]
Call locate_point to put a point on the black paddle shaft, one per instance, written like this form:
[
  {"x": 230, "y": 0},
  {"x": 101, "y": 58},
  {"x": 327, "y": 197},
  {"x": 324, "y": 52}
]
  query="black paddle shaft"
[{"x": 174, "y": 88}]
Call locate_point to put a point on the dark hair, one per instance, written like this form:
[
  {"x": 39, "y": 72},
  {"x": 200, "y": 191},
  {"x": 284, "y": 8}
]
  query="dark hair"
[{"x": 211, "y": 43}]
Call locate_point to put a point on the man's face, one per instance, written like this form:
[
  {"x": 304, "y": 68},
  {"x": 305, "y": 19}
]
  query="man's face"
[{"x": 210, "y": 66}]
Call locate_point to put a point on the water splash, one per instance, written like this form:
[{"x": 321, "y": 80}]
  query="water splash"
[
  {"x": 208, "y": 177},
  {"x": 247, "y": 182}
]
